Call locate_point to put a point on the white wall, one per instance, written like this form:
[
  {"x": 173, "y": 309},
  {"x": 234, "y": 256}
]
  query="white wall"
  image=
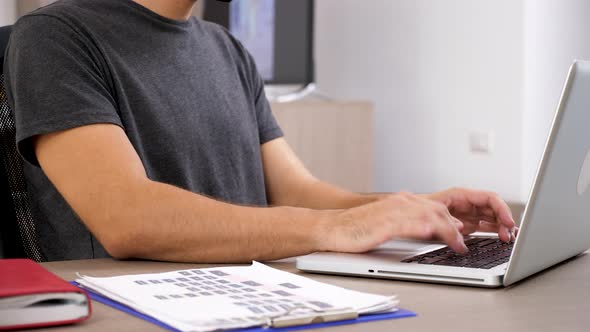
[
  {"x": 556, "y": 34},
  {"x": 8, "y": 12},
  {"x": 436, "y": 70}
]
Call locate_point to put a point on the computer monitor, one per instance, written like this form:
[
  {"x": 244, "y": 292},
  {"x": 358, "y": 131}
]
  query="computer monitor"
[{"x": 278, "y": 34}]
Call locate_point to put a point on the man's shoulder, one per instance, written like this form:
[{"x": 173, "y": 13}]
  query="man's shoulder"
[
  {"x": 63, "y": 9},
  {"x": 51, "y": 19},
  {"x": 70, "y": 21}
]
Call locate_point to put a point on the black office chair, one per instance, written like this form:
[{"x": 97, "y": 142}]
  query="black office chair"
[{"x": 18, "y": 238}]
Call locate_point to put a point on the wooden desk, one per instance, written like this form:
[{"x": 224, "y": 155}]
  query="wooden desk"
[{"x": 555, "y": 300}]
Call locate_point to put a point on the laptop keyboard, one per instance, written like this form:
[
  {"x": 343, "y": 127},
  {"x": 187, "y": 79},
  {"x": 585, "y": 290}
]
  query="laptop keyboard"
[{"x": 484, "y": 253}]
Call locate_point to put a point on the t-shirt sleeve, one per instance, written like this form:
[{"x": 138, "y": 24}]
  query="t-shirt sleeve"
[
  {"x": 268, "y": 128},
  {"x": 55, "y": 80}
]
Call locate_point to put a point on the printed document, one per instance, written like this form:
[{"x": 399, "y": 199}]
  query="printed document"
[{"x": 234, "y": 297}]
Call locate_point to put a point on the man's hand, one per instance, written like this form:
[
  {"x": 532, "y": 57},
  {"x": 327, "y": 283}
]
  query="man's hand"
[
  {"x": 402, "y": 215},
  {"x": 478, "y": 211},
  {"x": 445, "y": 215}
]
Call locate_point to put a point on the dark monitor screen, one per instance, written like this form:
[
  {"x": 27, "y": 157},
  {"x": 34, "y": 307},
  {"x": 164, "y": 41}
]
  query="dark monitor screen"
[{"x": 278, "y": 34}]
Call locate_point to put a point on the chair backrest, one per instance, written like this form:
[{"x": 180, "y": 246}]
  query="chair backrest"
[{"x": 18, "y": 238}]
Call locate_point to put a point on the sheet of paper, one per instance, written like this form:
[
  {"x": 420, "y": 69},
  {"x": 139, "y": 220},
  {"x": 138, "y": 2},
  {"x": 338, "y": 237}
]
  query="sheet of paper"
[{"x": 231, "y": 297}]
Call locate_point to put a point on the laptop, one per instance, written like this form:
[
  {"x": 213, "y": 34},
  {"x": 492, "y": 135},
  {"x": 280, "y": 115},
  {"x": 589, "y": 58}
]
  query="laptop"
[{"x": 555, "y": 225}]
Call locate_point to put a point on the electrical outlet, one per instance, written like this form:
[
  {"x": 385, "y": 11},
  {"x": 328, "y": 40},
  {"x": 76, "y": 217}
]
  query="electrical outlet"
[{"x": 481, "y": 142}]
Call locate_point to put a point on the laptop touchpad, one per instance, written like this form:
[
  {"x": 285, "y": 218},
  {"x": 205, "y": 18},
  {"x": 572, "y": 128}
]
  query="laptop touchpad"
[{"x": 405, "y": 247}]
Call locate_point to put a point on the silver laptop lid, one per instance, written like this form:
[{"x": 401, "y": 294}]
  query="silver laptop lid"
[{"x": 556, "y": 222}]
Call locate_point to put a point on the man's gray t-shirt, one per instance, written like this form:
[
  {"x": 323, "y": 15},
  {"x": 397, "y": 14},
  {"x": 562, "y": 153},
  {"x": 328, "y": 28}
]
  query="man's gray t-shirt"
[{"x": 187, "y": 95}]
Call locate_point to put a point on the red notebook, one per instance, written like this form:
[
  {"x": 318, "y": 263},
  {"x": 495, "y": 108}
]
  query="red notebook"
[{"x": 31, "y": 296}]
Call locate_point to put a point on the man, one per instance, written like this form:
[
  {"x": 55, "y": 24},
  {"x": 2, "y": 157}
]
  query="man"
[{"x": 146, "y": 134}]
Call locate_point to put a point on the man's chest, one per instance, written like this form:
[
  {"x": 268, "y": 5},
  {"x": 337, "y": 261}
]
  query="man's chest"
[{"x": 198, "y": 99}]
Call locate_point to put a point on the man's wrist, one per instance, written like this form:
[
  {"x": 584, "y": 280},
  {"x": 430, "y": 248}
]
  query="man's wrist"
[{"x": 321, "y": 227}]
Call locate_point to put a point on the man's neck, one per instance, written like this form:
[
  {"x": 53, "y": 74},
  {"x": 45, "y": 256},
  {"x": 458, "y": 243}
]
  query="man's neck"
[{"x": 175, "y": 9}]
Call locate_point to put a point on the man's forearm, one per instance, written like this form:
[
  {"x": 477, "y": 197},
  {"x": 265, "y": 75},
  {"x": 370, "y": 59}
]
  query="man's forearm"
[
  {"x": 289, "y": 183},
  {"x": 163, "y": 222},
  {"x": 322, "y": 195}
]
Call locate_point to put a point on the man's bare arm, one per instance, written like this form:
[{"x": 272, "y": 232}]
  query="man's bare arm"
[
  {"x": 101, "y": 176},
  {"x": 288, "y": 182}
]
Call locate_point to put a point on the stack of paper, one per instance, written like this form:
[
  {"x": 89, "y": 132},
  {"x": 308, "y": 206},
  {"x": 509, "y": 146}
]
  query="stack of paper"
[{"x": 236, "y": 297}]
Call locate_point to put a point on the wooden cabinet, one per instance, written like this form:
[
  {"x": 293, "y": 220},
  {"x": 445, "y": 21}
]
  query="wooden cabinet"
[{"x": 333, "y": 139}]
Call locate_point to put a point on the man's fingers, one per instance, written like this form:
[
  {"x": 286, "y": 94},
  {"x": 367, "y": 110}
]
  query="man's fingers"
[
  {"x": 511, "y": 234},
  {"x": 449, "y": 233},
  {"x": 485, "y": 212},
  {"x": 501, "y": 210},
  {"x": 469, "y": 228},
  {"x": 488, "y": 203},
  {"x": 444, "y": 225},
  {"x": 457, "y": 223},
  {"x": 415, "y": 230},
  {"x": 515, "y": 232},
  {"x": 477, "y": 219},
  {"x": 452, "y": 232},
  {"x": 504, "y": 233},
  {"x": 491, "y": 227},
  {"x": 492, "y": 209}
]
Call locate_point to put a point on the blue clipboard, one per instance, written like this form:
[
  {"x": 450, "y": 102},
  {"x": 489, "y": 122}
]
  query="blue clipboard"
[{"x": 401, "y": 313}]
